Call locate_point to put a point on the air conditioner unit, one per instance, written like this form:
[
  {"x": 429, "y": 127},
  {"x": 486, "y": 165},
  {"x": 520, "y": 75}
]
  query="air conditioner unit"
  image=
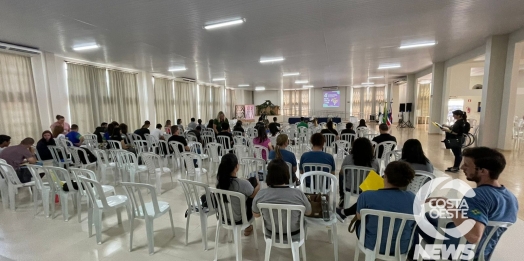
[
  {"x": 400, "y": 80},
  {"x": 186, "y": 79},
  {"x": 11, "y": 48},
  {"x": 331, "y": 88}
]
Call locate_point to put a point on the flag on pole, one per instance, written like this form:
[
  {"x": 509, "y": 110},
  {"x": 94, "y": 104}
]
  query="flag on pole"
[
  {"x": 390, "y": 117},
  {"x": 385, "y": 114}
]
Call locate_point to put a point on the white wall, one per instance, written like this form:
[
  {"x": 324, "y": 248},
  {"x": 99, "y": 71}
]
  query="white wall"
[
  {"x": 248, "y": 98},
  {"x": 461, "y": 84},
  {"x": 397, "y": 100},
  {"x": 519, "y": 106}
]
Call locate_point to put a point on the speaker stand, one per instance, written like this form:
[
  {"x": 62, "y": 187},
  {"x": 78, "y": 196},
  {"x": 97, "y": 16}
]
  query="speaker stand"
[{"x": 406, "y": 124}]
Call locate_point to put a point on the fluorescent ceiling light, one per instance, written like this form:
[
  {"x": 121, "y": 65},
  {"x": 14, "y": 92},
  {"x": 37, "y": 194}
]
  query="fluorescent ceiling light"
[
  {"x": 85, "y": 47},
  {"x": 224, "y": 24},
  {"x": 425, "y": 81},
  {"x": 388, "y": 66},
  {"x": 301, "y": 81},
  {"x": 291, "y": 74},
  {"x": 260, "y": 88},
  {"x": 367, "y": 83},
  {"x": 270, "y": 60},
  {"x": 308, "y": 86},
  {"x": 376, "y": 77},
  {"x": 407, "y": 46},
  {"x": 243, "y": 85},
  {"x": 219, "y": 79},
  {"x": 178, "y": 69}
]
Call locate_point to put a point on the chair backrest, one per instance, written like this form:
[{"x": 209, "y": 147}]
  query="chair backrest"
[
  {"x": 94, "y": 191},
  {"x": 323, "y": 183},
  {"x": 223, "y": 199},
  {"x": 252, "y": 133},
  {"x": 9, "y": 174},
  {"x": 240, "y": 140},
  {"x": 140, "y": 146},
  {"x": 57, "y": 177},
  {"x": 394, "y": 155},
  {"x": 273, "y": 140},
  {"x": 348, "y": 137},
  {"x": 76, "y": 173},
  {"x": 35, "y": 172},
  {"x": 258, "y": 149},
  {"x": 291, "y": 174},
  {"x": 225, "y": 141},
  {"x": 130, "y": 138},
  {"x": 354, "y": 175},
  {"x": 208, "y": 138},
  {"x": 307, "y": 167},
  {"x": 386, "y": 146},
  {"x": 77, "y": 154},
  {"x": 421, "y": 178},
  {"x": 188, "y": 158},
  {"x": 91, "y": 141},
  {"x": 101, "y": 157},
  {"x": 136, "y": 192},
  {"x": 152, "y": 161},
  {"x": 58, "y": 152},
  {"x": 191, "y": 137},
  {"x": 370, "y": 136},
  {"x": 494, "y": 226},
  {"x": 136, "y": 137},
  {"x": 126, "y": 160},
  {"x": 330, "y": 140},
  {"x": 193, "y": 191},
  {"x": 237, "y": 133},
  {"x": 163, "y": 148},
  {"x": 361, "y": 131},
  {"x": 115, "y": 144},
  {"x": 213, "y": 149},
  {"x": 177, "y": 147},
  {"x": 252, "y": 165},
  {"x": 241, "y": 151},
  {"x": 390, "y": 227},
  {"x": 36, "y": 153},
  {"x": 343, "y": 148},
  {"x": 279, "y": 216}
]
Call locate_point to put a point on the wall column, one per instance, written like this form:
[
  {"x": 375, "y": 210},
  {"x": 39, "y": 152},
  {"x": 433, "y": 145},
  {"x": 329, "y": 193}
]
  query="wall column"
[
  {"x": 492, "y": 90},
  {"x": 410, "y": 96},
  {"x": 435, "y": 101}
]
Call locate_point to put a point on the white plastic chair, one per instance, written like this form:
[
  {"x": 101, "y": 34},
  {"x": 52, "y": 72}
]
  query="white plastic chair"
[
  {"x": 4, "y": 190},
  {"x": 355, "y": 175},
  {"x": 281, "y": 215},
  {"x": 127, "y": 162},
  {"x": 213, "y": 150},
  {"x": 226, "y": 144},
  {"x": 394, "y": 155},
  {"x": 251, "y": 165},
  {"x": 43, "y": 188},
  {"x": 155, "y": 168},
  {"x": 330, "y": 142},
  {"x": 240, "y": 140},
  {"x": 192, "y": 191},
  {"x": 252, "y": 133},
  {"x": 114, "y": 144},
  {"x": 192, "y": 170},
  {"x": 13, "y": 184},
  {"x": 241, "y": 151},
  {"x": 343, "y": 148},
  {"x": 237, "y": 133},
  {"x": 348, "y": 137},
  {"x": 196, "y": 147},
  {"x": 140, "y": 146},
  {"x": 323, "y": 183},
  {"x": 99, "y": 203},
  {"x": 148, "y": 211},
  {"x": 407, "y": 221},
  {"x": 91, "y": 141},
  {"x": 76, "y": 172},
  {"x": 421, "y": 178},
  {"x": 77, "y": 154},
  {"x": 104, "y": 164},
  {"x": 59, "y": 155},
  {"x": 58, "y": 177},
  {"x": 257, "y": 151},
  {"x": 386, "y": 146},
  {"x": 361, "y": 131},
  {"x": 177, "y": 159},
  {"x": 225, "y": 214}
]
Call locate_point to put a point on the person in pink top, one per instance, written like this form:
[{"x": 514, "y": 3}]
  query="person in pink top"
[
  {"x": 60, "y": 121},
  {"x": 263, "y": 140}
]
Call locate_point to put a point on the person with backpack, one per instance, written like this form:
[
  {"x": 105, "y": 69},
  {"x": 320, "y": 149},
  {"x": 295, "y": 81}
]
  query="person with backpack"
[{"x": 454, "y": 133}]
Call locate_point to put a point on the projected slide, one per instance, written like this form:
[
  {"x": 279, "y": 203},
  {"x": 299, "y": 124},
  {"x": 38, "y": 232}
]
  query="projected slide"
[{"x": 331, "y": 99}]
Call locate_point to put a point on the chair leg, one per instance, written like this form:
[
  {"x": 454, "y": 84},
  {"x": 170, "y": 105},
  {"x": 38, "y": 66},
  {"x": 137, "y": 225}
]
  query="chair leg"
[
  {"x": 150, "y": 238},
  {"x": 64, "y": 204},
  {"x": 98, "y": 226},
  {"x": 335, "y": 239},
  {"x": 237, "y": 239},
  {"x": 187, "y": 225},
  {"x": 35, "y": 199},
  {"x": 255, "y": 233},
  {"x": 303, "y": 250},
  {"x": 118, "y": 215},
  {"x": 295, "y": 252},
  {"x": 158, "y": 182},
  {"x": 131, "y": 225},
  {"x": 172, "y": 224},
  {"x": 12, "y": 196},
  {"x": 268, "y": 249},
  {"x": 217, "y": 235},
  {"x": 45, "y": 201},
  {"x": 203, "y": 228},
  {"x": 79, "y": 207},
  {"x": 89, "y": 221}
]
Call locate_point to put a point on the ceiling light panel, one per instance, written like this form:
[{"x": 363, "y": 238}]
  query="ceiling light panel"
[
  {"x": 243, "y": 85},
  {"x": 86, "y": 47},
  {"x": 219, "y": 79},
  {"x": 291, "y": 74},
  {"x": 260, "y": 88},
  {"x": 376, "y": 77},
  {"x": 308, "y": 86},
  {"x": 272, "y": 60},
  {"x": 388, "y": 66},
  {"x": 417, "y": 45},
  {"x": 177, "y": 69},
  {"x": 301, "y": 81},
  {"x": 224, "y": 24}
]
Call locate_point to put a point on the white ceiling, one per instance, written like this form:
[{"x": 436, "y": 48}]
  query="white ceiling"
[{"x": 337, "y": 42}]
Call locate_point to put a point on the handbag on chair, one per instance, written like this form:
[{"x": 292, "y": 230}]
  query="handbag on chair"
[{"x": 316, "y": 204}]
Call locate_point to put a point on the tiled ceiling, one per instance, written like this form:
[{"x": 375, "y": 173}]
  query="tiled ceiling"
[{"x": 331, "y": 43}]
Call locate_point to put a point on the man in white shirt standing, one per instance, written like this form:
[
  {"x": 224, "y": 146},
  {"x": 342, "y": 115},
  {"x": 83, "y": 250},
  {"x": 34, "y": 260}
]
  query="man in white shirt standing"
[{"x": 157, "y": 133}]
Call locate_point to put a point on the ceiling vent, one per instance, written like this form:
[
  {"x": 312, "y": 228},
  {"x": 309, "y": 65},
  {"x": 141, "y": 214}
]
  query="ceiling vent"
[
  {"x": 185, "y": 79},
  {"x": 477, "y": 87},
  {"x": 331, "y": 88},
  {"x": 19, "y": 49}
]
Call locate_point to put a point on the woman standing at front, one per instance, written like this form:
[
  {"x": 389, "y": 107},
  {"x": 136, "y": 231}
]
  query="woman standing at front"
[
  {"x": 456, "y": 132},
  {"x": 227, "y": 180},
  {"x": 217, "y": 123},
  {"x": 60, "y": 121}
]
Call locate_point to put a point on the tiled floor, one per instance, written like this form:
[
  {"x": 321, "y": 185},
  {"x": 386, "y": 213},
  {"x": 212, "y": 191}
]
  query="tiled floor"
[{"x": 24, "y": 236}]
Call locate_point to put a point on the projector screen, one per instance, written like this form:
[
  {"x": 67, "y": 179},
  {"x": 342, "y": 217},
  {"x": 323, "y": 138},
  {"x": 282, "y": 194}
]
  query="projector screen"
[{"x": 331, "y": 99}]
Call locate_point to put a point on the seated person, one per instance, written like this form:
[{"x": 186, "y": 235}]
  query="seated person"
[
  {"x": 263, "y": 140},
  {"x": 275, "y": 122},
  {"x": 316, "y": 155},
  {"x": 279, "y": 192},
  {"x": 192, "y": 125},
  {"x": 225, "y": 131},
  {"x": 491, "y": 200},
  {"x": 117, "y": 135},
  {"x": 4, "y": 142},
  {"x": 180, "y": 126},
  {"x": 74, "y": 137},
  {"x": 101, "y": 129},
  {"x": 361, "y": 155},
  {"x": 20, "y": 154},
  {"x": 176, "y": 137},
  {"x": 238, "y": 127},
  {"x": 110, "y": 128},
  {"x": 227, "y": 180},
  {"x": 349, "y": 129},
  {"x": 280, "y": 152},
  {"x": 199, "y": 121},
  {"x": 41, "y": 146},
  {"x": 196, "y": 132},
  {"x": 413, "y": 154},
  {"x": 392, "y": 199},
  {"x": 273, "y": 129},
  {"x": 157, "y": 132},
  {"x": 362, "y": 123},
  {"x": 384, "y": 136},
  {"x": 302, "y": 123},
  {"x": 142, "y": 131},
  {"x": 329, "y": 129}
]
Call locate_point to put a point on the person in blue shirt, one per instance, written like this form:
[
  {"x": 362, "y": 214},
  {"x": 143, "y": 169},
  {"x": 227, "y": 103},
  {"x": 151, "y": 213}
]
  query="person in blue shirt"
[
  {"x": 73, "y": 136},
  {"x": 492, "y": 201},
  {"x": 316, "y": 155},
  {"x": 392, "y": 199},
  {"x": 280, "y": 152}
]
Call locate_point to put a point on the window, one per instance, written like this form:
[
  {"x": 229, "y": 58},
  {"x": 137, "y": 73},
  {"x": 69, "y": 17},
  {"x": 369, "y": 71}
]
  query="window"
[{"x": 296, "y": 103}]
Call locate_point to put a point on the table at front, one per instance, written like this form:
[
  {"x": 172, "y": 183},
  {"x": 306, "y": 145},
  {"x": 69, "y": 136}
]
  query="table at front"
[{"x": 293, "y": 120}]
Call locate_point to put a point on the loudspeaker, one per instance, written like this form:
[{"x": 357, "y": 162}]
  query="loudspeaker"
[
  {"x": 402, "y": 107},
  {"x": 409, "y": 106}
]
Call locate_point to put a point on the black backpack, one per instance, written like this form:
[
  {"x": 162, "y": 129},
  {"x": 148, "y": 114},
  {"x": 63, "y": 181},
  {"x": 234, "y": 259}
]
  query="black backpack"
[{"x": 466, "y": 127}]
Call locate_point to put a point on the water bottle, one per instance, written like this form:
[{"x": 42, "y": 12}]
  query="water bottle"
[{"x": 325, "y": 208}]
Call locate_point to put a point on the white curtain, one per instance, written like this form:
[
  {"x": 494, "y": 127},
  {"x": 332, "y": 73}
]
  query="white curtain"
[
  {"x": 206, "y": 108},
  {"x": 124, "y": 106},
  {"x": 185, "y": 101},
  {"x": 355, "y": 105},
  {"x": 88, "y": 96},
  {"x": 164, "y": 100},
  {"x": 231, "y": 100},
  {"x": 216, "y": 100},
  {"x": 378, "y": 97},
  {"x": 368, "y": 102},
  {"x": 296, "y": 103},
  {"x": 18, "y": 105},
  {"x": 424, "y": 93}
]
